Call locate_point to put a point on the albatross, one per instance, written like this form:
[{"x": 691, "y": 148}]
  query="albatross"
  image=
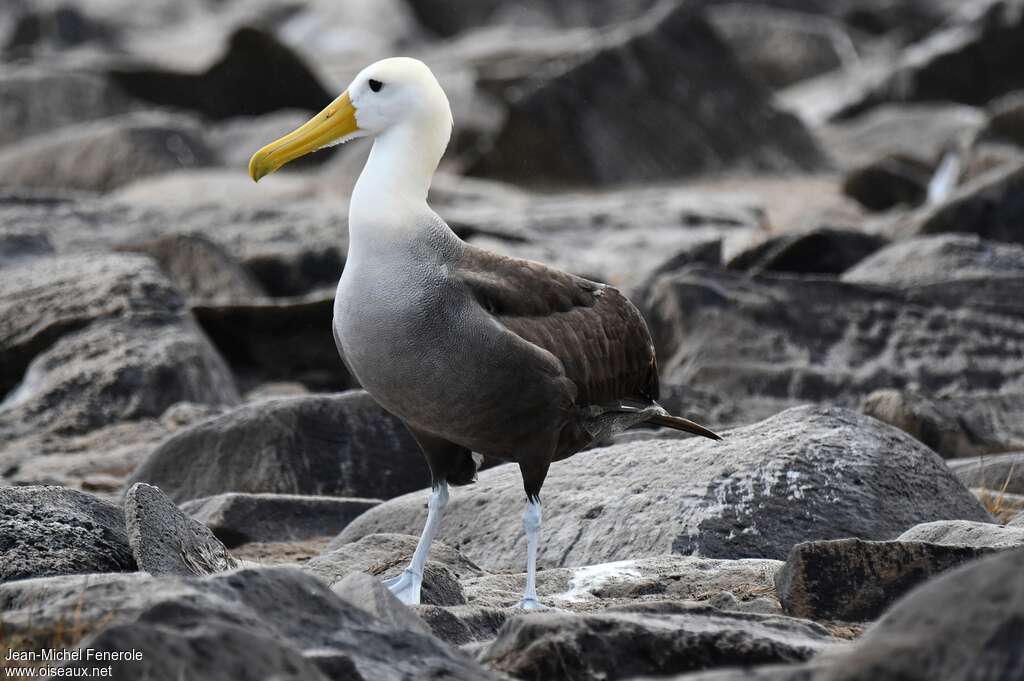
[{"x": 479, "y": 354}]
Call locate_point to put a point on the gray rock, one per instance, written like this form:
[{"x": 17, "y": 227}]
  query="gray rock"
[
  {"x": 820, "y": 251},
  {"x": 957, "y": 425},
  {"x": 1017, "y": 521},
  {"x": 630, "y": 582},
  {"x": 928, "y": 260},
  {"x": 855, "y": 580},
  {"x": 57, "y": 531},
  {"x": 889, "y": 182},
  {"x": 35, "y": 100},
  {"x": 783, "y": 340},
  {"x": 368, "y": 594},
  {"x": 384, "y": 556},
  {"x": 1006, "y": 119},
  {"x": 256, "y": 623},
  {"x": 964, "y": 533},
  {"x": 200, "y": 268},
  {"x": 667, "y": 640},
  {"x": 18, "y": 245},
  {"x": 461, "y": 625},
  {"x": 165, "y": 541},
  {"x": 986, "y": 206},
  {"x": 333, "y": 445},
  {"x": 238, "y": 518},
  {"x": 449, "y": 18},
  {"x": 103, "y": 155},
  {"x": 586, "y": 103},
  {"x": 808, "y": 473}
]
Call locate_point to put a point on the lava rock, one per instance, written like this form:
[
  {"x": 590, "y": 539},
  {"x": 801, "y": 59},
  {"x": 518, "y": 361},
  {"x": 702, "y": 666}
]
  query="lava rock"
[
  {"x": 820, "y": 251},
  {"x": 620, "y": 645},
  {"x": 165, "y": 541},
  {"x": 1001, "y": 472},
  {"x": 368, "y": 594},
  {"x": 807, "y": 473},
  {"x": 1006, "y": 120},
  {"x": 237, "y": 518},
  {"x": 855, "y": 580},
  {"x": 446, "y": 18},
  {"x": 333, "y": 445},
  {"x": 889, "y": 182},
  {"x": 601, "y": 122},
  {"x": 256, "y": 74},
  {"x": 957, "y": 425},
  {"x": 58, "y": 531},
  {"x": 964, "y": 533},
  {"x": 103, "y": 155},
  {"x": 459, "y": 625}
]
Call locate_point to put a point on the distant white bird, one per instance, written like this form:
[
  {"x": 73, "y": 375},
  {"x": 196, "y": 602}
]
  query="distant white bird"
[{"x": 474, "y": 351}]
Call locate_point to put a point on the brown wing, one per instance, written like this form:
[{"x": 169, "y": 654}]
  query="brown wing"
[{"x": 599, "y": 336}]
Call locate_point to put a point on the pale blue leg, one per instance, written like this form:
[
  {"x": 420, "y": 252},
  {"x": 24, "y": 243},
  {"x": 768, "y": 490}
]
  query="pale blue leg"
[{"x": 406, "y": 587}]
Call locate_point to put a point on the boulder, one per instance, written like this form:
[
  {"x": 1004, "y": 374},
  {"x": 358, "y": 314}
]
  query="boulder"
[
  {"x": 957, "y": 425},
  {"x": 238, "y": 518},
  {"x": 255, "y": 74},
  {"x": 35, "y": 100},
  {"x": 368, "y": 594},
  {"x": 601, "y": 122},
  {"x": 808, "y": 473},
  {"x": 1001, "y": 472},
  {"x": 855, "y": 580},
  {"x": 57, "y": 531},
  {"x": 165, "y": 541},
  {"x": 460, "y": 625},
  {"x": 927, "y": 260},
  {"x": 820, "y": 251},
  {"x": 16, "y": 244},
  {"x": 55, "y": 28},
  {"x": 988, "y": 206},
  {"x": 669, "y": 639},
  {"x": 103, "y": 155},
  {"x": 780, "y": 340},
  {"x": 449, "y": 18},
  {"x": 251, "y": 623},
  {"x": 889, "y": 182},
  {"x": 332, "y": 445},
  {"x": 1006, "y": 120},
  {"x": 964, "y": 533}
]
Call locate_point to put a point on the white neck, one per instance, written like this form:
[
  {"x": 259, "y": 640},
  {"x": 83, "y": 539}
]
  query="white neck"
[{"x": 392, "y": 189}]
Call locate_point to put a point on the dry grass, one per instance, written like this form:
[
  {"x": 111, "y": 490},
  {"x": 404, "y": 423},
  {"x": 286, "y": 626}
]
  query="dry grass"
[{"x": 997, "y": 502}]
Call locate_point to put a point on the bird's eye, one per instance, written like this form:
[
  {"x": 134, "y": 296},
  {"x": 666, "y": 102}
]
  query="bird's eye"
[{"x": 376, "y": 85}]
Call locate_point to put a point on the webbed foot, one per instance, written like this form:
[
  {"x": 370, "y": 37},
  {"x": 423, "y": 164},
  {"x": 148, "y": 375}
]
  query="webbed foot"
[{"x": 406, "y": 587}]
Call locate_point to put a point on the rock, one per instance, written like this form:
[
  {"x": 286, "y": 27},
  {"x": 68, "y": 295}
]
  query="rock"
[
  {"x": 928, "y": 260},
  {"x": 256, "y": 74},
  {"x": 51, "y": 29},
  {"x": 575, "y": 127},
  {"x": 619, "y": 645},
  {"x": 889, "y": 182},
  {"x": 1002, "y": 472},
  {"x": 57, "y": 531},
  {"x": 236, "y": 138},
  {"x": 922, "y": 133},
  {"x": 971, "y": 62},
  {"x": 34, "y": 101},
  {"x": 964, "y": 533},
  {"x": 808, "y": 473},
  {"x": 448, "y": 18},
  {"x": 1017, "y": 521},
  {"x": 987, "y": 206},
  {"x": 630, "y": 582},
  {"x": 385, "y": 556},
  {"x": 821, "y": 251},
  {"x": 855, "y": 580},
  {"x": 368, "y": 594},
  {"x": 103, "y": 155},
  {"x": 460, "y": 625},
  {"x": 237, "y": 518},
  {"x": 781, "y": 47},
  {"x": 250, "y": 623},
  {"x": 252, "y": 333},
  {"x": 200, "y": 268},
  {"x": 18, "y": 245},
  {"x": 955, "y": 425},
  {"x": 1006, "y": 119},
  {"x": 332, "y": 445},
  {"x": 777, "y": 341},
  {"x": 165, "y": 541}
]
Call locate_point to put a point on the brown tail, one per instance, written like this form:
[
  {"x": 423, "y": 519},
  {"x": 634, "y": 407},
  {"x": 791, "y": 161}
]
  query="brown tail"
[{"x": 679, "y": 423}]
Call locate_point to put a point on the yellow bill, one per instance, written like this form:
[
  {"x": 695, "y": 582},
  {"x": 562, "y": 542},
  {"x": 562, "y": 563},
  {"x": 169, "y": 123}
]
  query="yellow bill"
[{"x": 332, "y": 124}]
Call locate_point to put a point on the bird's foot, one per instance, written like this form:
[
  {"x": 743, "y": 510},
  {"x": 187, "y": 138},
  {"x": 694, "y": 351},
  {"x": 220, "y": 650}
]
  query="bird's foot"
[
  {"x": 406, "y": 587},
  {"x": 531, "y": 603}
]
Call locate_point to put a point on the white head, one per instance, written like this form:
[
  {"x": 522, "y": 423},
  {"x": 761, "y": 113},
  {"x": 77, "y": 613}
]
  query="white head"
[{"x": 397, "y": 100}]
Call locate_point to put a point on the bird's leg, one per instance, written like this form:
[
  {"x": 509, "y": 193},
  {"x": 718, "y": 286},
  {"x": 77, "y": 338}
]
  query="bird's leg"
[
  {"x": 531, "y": 524},
  {"x": 406, "y": 587}
]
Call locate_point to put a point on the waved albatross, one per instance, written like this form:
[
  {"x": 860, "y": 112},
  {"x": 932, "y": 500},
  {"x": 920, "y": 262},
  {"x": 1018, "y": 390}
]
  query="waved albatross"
[{"x": 475, "y": 352}]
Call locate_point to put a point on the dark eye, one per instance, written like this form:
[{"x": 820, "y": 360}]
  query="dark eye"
[{"x": 376, "y": 85}]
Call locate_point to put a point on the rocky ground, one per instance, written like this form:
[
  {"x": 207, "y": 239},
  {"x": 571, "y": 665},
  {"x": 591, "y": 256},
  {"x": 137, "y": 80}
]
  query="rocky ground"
[{"x": 817, "y": 206}]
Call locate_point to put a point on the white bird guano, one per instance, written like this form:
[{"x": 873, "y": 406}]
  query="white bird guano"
[{"x": 475, "y": 352}]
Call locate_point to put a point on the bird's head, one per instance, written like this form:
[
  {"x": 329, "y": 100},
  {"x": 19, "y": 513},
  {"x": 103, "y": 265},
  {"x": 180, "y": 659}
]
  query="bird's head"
[{"x": 396, "y": 93}]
